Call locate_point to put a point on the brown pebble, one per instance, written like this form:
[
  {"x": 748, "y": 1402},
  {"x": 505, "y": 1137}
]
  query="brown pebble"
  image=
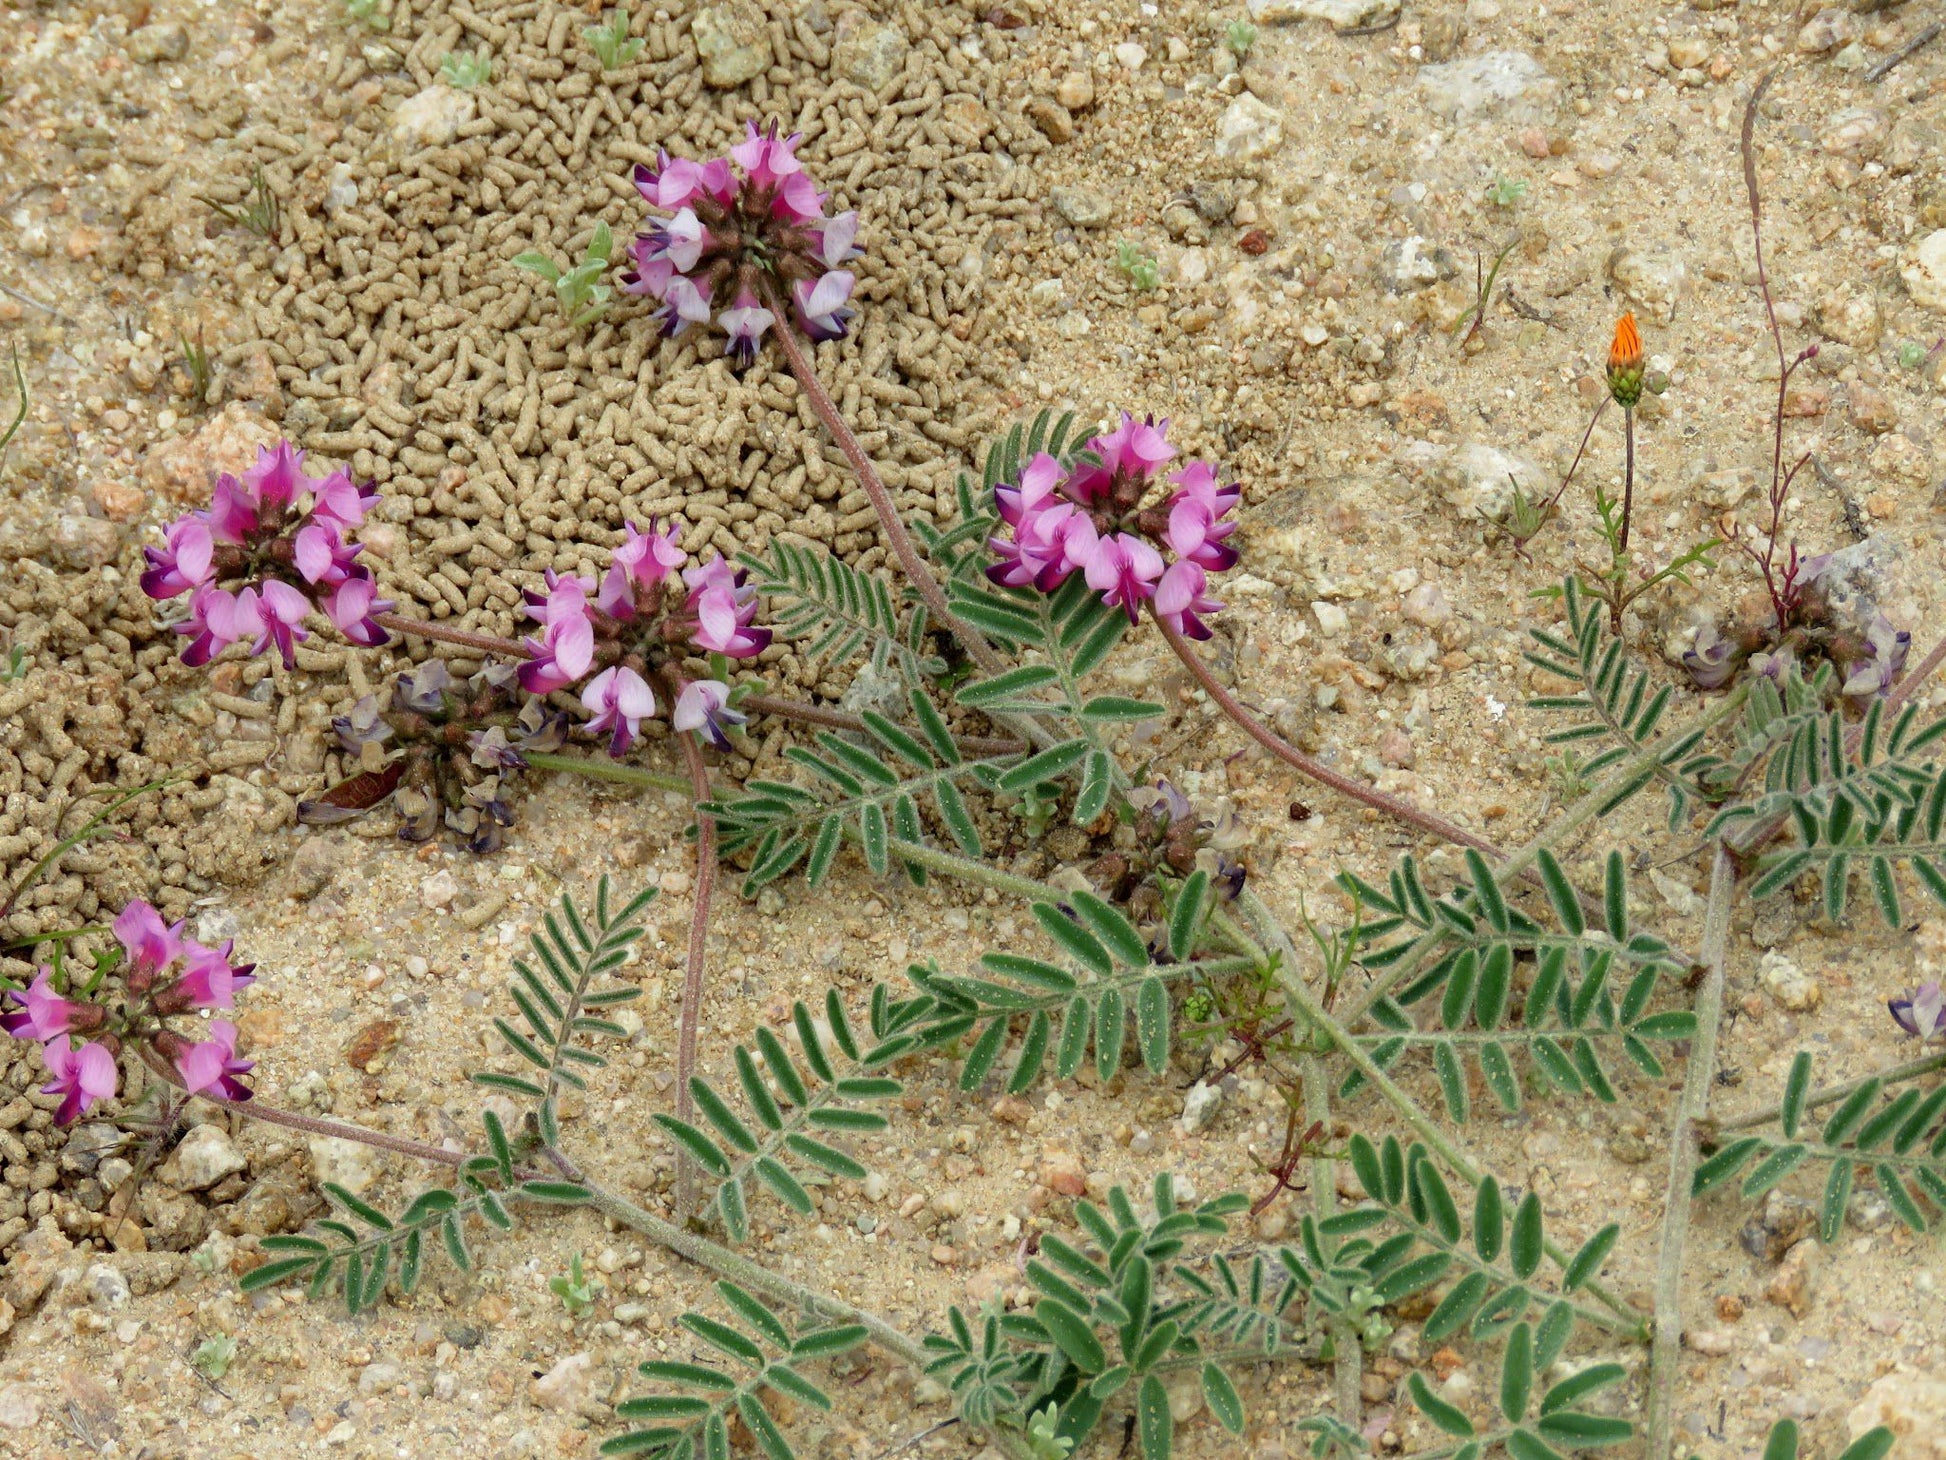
[
  {"x": 1729, "y": 1307},
  {"x": 371, "y": 1048},
  {"x": 1446, "y": 1362},
  {"x": 1395, "y": 749},
  {"x": 1532, "y": 141},
  {"x": 1255, "y": 241},
  {"x": 82, "y": 243},
  {"x": 1063, "y": 1173},
  {"x": 1055, "y": 121},
  {"x": 944, "y": 1255},
  {"x": 1011, "y": 1110},
  {"x": 119, "y": 502}
]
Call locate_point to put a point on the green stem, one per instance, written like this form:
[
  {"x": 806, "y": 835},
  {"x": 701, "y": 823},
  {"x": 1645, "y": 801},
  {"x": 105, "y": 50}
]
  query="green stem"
[
  {"x": 600, "y": 768},
  {"x": 1831, "y": 1094},
  {"x": 62, "y": 848},
  {"x": 697, "y": 964},
  {"x": 1666, "y": 1352},
  {"x": 1626, "y": 1319}
]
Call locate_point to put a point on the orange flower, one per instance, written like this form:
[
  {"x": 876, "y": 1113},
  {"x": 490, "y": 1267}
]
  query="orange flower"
[{"x": 1625, "y": 363}]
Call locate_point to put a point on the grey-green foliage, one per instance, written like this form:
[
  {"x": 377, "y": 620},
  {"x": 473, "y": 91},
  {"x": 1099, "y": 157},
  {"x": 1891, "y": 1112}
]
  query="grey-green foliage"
[
  {"x": 1620, "y": 703},
  {"x": 1870, "y": 807},
  {"x": 465, "y": 69},
  {"x": 1593, "y": 986},
  {"x": 833, "y": 610},
  {"x": 872, "y": 791},
  {"x": 579, "y": 289},
  {"x": 797, "y": 1114},
  {"x": 1901, "y": 1138},
  {"x": 1105, "y": 982},
  {"x": 752, "y": 1362},
  {"x": 554, "y": 992},
  {"x": 20, "y": 406}
]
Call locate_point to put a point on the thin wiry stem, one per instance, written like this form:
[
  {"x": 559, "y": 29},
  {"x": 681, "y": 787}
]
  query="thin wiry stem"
[
  {"x": 903, "y": 547},
  {"x": 424, "y": 628},
  {"x": 1666, "y": 1351},
  {"x": 694, "y": 973},
  {"x": 1831, "y": 1094},
  {"x": 1317, "y": 770}
]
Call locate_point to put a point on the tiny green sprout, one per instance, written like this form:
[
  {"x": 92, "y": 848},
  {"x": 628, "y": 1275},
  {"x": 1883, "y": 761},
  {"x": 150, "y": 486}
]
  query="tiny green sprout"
[
  {"x": 465, "y": 69},
  {"x": 16, "y": 666},
  {"x": 576, "y": 1293},
  {"x": 1504, "y": 192},
  {"x": 582, "y": 295},
  {"x": 612, "y": 43},
  {"x": 1238, "y": 37},
  {"x": 20, "y": 407},
  {"x": 1912, "y": 354},
  {"x": 214, "y": 1356},
  {"x": 1043, "y": 1441},
  {"x": 1567, "y": 773},
  {"x": 259, "y": 213},
  {"x": 369, "y": 13},
  {"x": 1138, "y": 265},
  {"x": 195, "y": 359}
]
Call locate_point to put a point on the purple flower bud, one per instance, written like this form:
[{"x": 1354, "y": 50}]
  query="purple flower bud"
[
  {"x": 821, "y": 311},
  {"x": 744, "y": 322},
  {"x": 424, "y": 689},
  {"x": 44, "y": 1013},
  {"x": 704, "y": 706},
  {"x": 81, "y": 1076},
  {"x": 619, "y": 699},
  {"x": 644, "y": 560},
  {"x": 1713, "y": 660},
  {"x": 362, "y": 727},
  {"x": 491, "y": 750},
  {"x": 1877, "y": 674},
  {"x": 1921, "y": 1013},
  {"x": 150, "y": 944}
]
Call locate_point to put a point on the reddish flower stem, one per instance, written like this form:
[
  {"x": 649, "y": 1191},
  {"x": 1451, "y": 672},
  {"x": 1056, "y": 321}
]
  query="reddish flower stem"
[
  {"x": 693, "y": 975},
  {"x": 1358, "y": 791},
  {"x": 430, "y": 629},
  {"x": 903, "y": 547}
]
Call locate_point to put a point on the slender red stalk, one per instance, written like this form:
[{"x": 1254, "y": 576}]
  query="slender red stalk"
[
  {"x": 1358, "y": 791},
  {"x": 430, "y": 629},
  {"x": 694, "y": 974},
  {"x": 903, "y": 547}
]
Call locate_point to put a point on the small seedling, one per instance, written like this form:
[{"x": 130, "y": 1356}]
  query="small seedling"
[
  {"x": 214, "y": 1356},
  {"x": 15, "y": 667},
  {"x": 1568, "y": 775},
  {"x": 259, "y": 213},
  {"x": 582, "y": 295},
  {"x": 1505, "y": 192},
  {"x": 1912, "y": 354},
  {"x": 1474, "y": 316},
  {"x": 612, "y": 43},
  {"x": 1043, "y": 1441},
  {"x": 195, "y": 359},
  {"x": 369, "y": 13},
  {"x": 1238, "y": 37},
  {"x": 576, "y": 1293},
  {"x": 465, "y": 69},
  {"x": 1138, "y": 265}
]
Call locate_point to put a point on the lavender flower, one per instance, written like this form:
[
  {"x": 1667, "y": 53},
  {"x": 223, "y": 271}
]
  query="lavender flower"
[
  {"x": 1921, "y": 1013},
  {"x": 565, "y": 649},
  {"x": 208, "y": 981},
  {"x": 150, "y": 944},
  {"x": 721, "y": 608},
  {"x": 619, "y": 699},
  {"x": 44, "y": 1013},
  {"x": 1875, "y": 674},
  {"x": 212, "y": 1064},
  {"x": 749, "y": 227},
  {"x": 704, "y": 706}
]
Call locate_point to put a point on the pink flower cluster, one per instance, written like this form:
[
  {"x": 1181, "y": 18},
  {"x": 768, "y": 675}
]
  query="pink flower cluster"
[
  {"x": 715, "y": 615},
  {"x": 85, "y": 1072},
  {"x": 730, "y": 227},
  {"x": 285, "y": 564},
  {"x": 1089, "y": 519}
]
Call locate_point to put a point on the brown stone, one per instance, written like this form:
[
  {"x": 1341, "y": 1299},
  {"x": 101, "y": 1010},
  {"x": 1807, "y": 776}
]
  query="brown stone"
[
  {"x": 371, "y": 1048},
  {"x": 184, "y": 470},
  {"x": 118, "y": 500},
  {"x": 1055, "y": 121},
  {"x": 1062, "y": 1172},
  {"x": 1012, "y": 1110}
]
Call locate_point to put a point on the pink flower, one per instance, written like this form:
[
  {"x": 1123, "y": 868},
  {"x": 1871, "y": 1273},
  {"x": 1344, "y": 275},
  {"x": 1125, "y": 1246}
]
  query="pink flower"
[
  {"x": 798, "y": 201},
  {"x": 619, "y": 699},
  {"x": 821, "y": 311},
  {"x": 337, "y": 498},
  {"x": 566, "y": 647},
  {"x": 683, "y": 240},
  {"x": 208, "y": 980},
  {"x": 151, "y": 946},
  {"x": 1128, "y": 455},
  {"x": 321, "y": 552},
  {"x": 213, "y": 1065},
  {"x": 1038, "y": 480},
  {"x": 679, "y": 183},
  {"x": 721, "y": 607},
  {"x": 352, "y": 605},
  {"x": 182, "y": 563},
  {"x": 745, "y": 322},
  {"x": 276, "y": 616},
  {"x": 704, "y": 706},
  {"x": 232, "y": 510},
  {"x": 81, "y": 1076},
  {"x": 837, "y": 238},
  {"x": 1123, "y": 569},
  {"x": 1180, "y": 600},
  {"x": 1196, "y": 526},
  {"x": 217, "y": 619},
  {"x": 644, "y": 559},
  {"x": 278, "y": 477},
  {"x": 765, "y": 159},
  {"x": 44, "y": 1013}
]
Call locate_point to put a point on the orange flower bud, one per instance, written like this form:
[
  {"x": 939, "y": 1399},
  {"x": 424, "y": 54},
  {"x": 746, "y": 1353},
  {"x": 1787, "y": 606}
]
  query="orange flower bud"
[{"x": 1625, "y": 363}]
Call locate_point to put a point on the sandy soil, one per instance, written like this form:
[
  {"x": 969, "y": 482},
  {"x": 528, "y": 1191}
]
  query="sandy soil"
[{"x": 1314, "y": 218}]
